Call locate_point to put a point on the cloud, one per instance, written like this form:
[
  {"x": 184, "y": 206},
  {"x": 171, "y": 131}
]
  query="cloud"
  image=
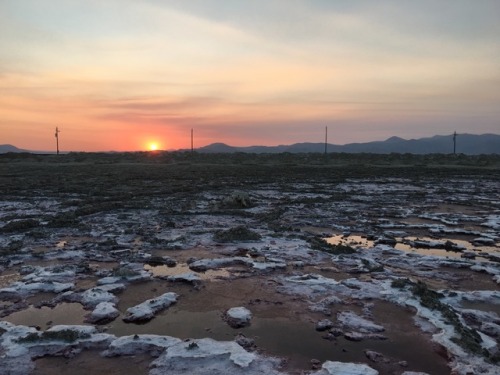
[{"x": 251, "y": 66}]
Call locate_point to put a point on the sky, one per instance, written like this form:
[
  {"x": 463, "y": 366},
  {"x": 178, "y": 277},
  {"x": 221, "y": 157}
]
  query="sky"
[{"x": 128, "y": 75}]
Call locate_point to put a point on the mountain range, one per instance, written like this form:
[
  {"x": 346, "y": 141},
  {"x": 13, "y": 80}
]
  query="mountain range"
[
  {"x": 10, "y": 148},
  {"x": 470, "y": 144}
]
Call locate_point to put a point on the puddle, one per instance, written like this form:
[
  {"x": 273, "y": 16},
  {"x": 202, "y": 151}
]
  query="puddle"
[
  {"x": 353, "y": 241},
  {"x": 406, "y": 341},
  {"x": 40, "y": 297},
  {"x": 296, "y": 340},
  {"x": 41, "y": 249},
  {"x": 85, "y": 283},
  {"x": 281, "y": 325},
  {"x": 165, "y": 271},
  {"x": 455, "y": 209},
  {"x": 403, "y": 244},
  {"x": 64, "y": 313},
  {"x": 183, "y": 255},
  {"x": 179, "y": 323},
  {"x": 415, "y": 221},
  {"x": 454, "y": 279},
  {"x": 482, "y": 306}
]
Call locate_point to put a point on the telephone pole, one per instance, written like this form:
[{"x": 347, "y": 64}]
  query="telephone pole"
[
  {"x": 326, "y": 138},
  {"x": 192, "y": 144},
  {"x": 455, "y": 143},
  {"x": 57, "y": 139}
]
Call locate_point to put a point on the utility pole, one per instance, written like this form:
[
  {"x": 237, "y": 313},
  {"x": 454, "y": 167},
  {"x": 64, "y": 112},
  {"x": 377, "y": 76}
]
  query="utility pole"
[
  {"x": 57, "y": 139},
  {"x": 326, "y": 138},
  {"x": 455, "y": 143},
  {"x": 192, "y": 145}
]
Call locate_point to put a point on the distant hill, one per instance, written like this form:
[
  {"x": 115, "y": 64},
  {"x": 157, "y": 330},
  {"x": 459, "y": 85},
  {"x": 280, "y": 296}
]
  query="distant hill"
[
  {"x": 9, "y": 148},
  {"x": 470, "y": 144}
]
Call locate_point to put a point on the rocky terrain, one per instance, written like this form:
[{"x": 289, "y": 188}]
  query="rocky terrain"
[{"x": 201, "y": 265}]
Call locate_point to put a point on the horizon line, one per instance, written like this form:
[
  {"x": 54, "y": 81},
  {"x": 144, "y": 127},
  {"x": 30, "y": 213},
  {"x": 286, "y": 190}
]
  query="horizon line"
[{"x": 250, "y": 146}]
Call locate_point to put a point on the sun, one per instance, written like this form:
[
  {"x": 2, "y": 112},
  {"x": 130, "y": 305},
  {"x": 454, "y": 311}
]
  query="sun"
[{"x": 152, "y": 144}]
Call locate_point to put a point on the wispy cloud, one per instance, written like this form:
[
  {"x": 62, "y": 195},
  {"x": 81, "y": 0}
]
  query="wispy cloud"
[{"x": 254, "y": 67}]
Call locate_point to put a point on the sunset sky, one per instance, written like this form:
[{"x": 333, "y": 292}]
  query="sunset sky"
[{"x": 122, "y": 74}]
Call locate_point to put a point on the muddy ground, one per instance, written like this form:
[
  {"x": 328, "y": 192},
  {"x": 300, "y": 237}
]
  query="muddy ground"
[{"x": 129, "y": 263}]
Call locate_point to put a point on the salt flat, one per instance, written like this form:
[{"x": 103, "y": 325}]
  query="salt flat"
[{"x": 341, "y": 263}]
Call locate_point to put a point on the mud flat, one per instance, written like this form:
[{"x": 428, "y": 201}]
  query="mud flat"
[{"x": 182, "y": 263}]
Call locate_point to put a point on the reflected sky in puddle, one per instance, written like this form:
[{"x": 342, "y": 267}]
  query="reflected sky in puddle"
[
  {"x": 362, "y": 242},
  {"x": 278, "y": 336},
  {"x": 294, "y": 339},
  {"x": 64, "y": 313},
  {"x": 353, "y": 241},
  {"x": 430, "y": 251},
  {"x": 180, "y": 268}
]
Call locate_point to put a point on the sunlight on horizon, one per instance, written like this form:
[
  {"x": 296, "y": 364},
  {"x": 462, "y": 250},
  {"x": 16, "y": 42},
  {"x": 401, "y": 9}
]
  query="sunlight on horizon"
[{"x": 153, "y": 146}]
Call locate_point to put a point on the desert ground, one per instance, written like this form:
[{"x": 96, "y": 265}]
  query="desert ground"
[{"x": 186, "y": 263}]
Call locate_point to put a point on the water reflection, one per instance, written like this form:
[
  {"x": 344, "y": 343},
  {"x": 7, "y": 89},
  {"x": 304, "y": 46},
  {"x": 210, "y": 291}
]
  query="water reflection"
[
  {"x": 296, "y": 340},
  {"x": 353, "y": 241},
  {"x": 418, "y": 245},
  {"x": 44, "y": 317},
  {"x": 164, "y": 271}
]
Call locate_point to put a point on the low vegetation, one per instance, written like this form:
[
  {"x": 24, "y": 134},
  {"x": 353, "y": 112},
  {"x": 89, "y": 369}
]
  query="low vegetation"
[
  {"x": 466, "y": 337},
  {"x": 65, "y": 335},
  {"x": 237, "y": 200}
]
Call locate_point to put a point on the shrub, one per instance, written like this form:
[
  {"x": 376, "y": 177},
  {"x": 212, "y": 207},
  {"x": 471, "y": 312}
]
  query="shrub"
[
  {"x": 400, "y": 283},
  {"x": 65, "y": 335},
  {"x": 466, "y": 337}
]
